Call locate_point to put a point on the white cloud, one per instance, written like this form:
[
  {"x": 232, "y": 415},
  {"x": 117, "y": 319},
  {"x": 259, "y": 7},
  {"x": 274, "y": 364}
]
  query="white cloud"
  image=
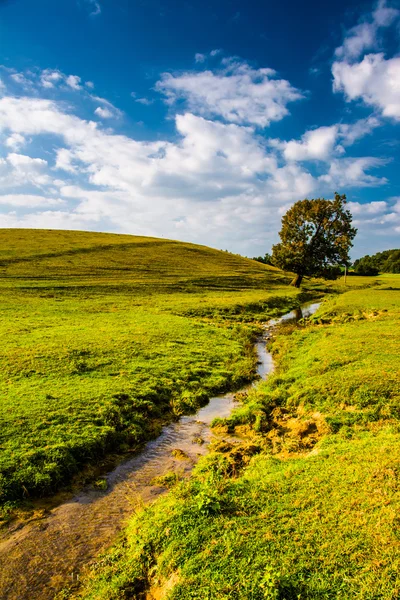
[
  {"x": 104, "y": 113},
  {"x": 237, "y": 93},
  {"x": 217, "y": 183},
  {"x": 64, "y": 160},
  {"x": 15, "y": 141},
  {"x": 74, "y": 82},
  {"x": 200, "y": 57},
  {"x": 29, "y": 200},
  {"x": 350, "y": 133},
  {"x": 360, "y": 38},
  {"x": 371, "y": 208},
  {"x": 374, "y": 80},
  {"x": 144, "y": 101},
  {"x": 48, "y": 220},
  {"x": 378, "y": 225},
  {"x": 351, "y": 172},
  {"x": 385, "y": 15},
  {"x": 108, "y": 108},
  {"x": 216, "y": 178},
  {"x": 20, "y": 170},
  {"x": 323, "y": 143},
  {"x": 25, "y": 162},
  {"x": 49, "y": 78},
  {"x": 370, "y": 77},
  {"x": 364, "y": 36},
  {"x": 317, "y": 144},
  {"x": 21, "y": 80}
]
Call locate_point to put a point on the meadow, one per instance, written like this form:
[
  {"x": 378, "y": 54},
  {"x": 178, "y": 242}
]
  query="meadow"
[
  {"x": 305, "y": 504},
  {"x": 105, "y": 337}
]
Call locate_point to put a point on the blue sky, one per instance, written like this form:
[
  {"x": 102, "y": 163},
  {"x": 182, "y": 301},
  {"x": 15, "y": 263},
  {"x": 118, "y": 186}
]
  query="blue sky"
[{"x": 200, "y": 121}]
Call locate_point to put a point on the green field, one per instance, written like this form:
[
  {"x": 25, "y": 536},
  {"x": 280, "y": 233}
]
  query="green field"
[
  {"x": 307, "y": 505},
  {"x": 106, "y": 336}
]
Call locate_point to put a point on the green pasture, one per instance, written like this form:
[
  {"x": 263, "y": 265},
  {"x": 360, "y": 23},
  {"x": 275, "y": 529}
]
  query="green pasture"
[
  {"x": 307, "y": 505},
  {"x": 105, "y": 336}
]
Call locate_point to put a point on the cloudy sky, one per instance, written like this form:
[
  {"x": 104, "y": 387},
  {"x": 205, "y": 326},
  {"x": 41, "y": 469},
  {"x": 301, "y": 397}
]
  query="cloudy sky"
[{"x": 199, "y": 120}]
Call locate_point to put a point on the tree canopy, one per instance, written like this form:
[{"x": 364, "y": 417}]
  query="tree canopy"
[
  {"x": 266, "y": 259},
  {"x": 316, "y": 237},
  {"x": 387, "y": 261}
]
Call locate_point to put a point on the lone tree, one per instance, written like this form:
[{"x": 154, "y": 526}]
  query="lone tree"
[{"x": 316, "y": 237}]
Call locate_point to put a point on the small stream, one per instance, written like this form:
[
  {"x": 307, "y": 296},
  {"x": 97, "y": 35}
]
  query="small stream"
[{"x": 46, "y": 555}]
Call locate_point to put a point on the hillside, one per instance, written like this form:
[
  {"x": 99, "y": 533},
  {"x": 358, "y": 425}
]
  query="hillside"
[
  {"x": 102, "y": 342},
  {"x": 133, "y": 260}
]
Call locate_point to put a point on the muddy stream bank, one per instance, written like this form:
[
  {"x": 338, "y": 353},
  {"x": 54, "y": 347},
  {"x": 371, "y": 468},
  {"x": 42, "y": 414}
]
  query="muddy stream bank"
[{"x": 44, "y": 556}]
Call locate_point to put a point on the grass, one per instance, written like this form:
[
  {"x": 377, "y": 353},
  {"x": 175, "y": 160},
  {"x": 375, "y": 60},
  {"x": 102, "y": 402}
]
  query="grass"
[
  {"x": 306, "y": 505},
  {"x": 106, "y": 336}
]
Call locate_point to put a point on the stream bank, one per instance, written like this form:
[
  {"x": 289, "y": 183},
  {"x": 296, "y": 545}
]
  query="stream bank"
[{"x": 43, "y": 557}]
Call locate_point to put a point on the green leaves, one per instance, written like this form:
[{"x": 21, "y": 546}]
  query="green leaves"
[{"x": 316, "y": 236}]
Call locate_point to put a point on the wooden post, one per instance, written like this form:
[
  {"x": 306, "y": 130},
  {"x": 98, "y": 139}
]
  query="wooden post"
[{"x": 345, "y": 274}]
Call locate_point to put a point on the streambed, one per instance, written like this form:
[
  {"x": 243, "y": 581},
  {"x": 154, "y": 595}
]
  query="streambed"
[{"x": 46, "y": 555}]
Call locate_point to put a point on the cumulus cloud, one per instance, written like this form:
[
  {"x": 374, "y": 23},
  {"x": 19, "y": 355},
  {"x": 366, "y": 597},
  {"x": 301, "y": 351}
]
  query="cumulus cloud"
[
  {"x": 48, "y": 219},
  {"x": 104, "y": 113},
  {"x": 369, "y": 76},
  {"x": 29, "y": 200},
  {"x": 350, "y": 133},
  {"x": 323, "y": 143},
  {"x": 375, "y": 80},
  {"x": 21, "y": 80},
  {"x": 365, "y": 210},
  {"x": 74, "y": 82},
  {"x": 217, "y": 182},
  {"x": 216, "y": 178},
  {"x": 349, "y": 172},
  {"x": 201, "y": 58},
  {"x": 365, "y": 35},
  {"x": 19, "y": 169},
  {"x": 376, "y": 221},
  {"x": 49, "y": 78},
  {"x": 317, "y": 144},
  {"x": 15, "y": 141},
  {"x": 107, "y": 109},
  {"x": 236, "y": 92}
]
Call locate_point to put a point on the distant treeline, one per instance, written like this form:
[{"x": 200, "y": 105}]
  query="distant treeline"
[
  {"x": 266, "y": 259},
  {"x": 381, "y": 262}
]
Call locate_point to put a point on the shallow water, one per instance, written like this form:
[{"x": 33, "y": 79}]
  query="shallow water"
[{"x": 44, "y": 556}]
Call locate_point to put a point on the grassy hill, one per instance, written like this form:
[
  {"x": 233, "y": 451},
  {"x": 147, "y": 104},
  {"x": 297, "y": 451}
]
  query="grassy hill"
[
  {"x": 136, "y": 261},
  {"x": 105, "y": 336}
]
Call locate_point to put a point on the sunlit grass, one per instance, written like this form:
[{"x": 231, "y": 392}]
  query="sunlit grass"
[
  {"x": 315, "y": 513},
  {"x": 104, "y": 336}
]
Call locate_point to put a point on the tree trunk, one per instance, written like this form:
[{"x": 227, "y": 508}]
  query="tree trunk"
[{"x": 297, "y": 281}]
